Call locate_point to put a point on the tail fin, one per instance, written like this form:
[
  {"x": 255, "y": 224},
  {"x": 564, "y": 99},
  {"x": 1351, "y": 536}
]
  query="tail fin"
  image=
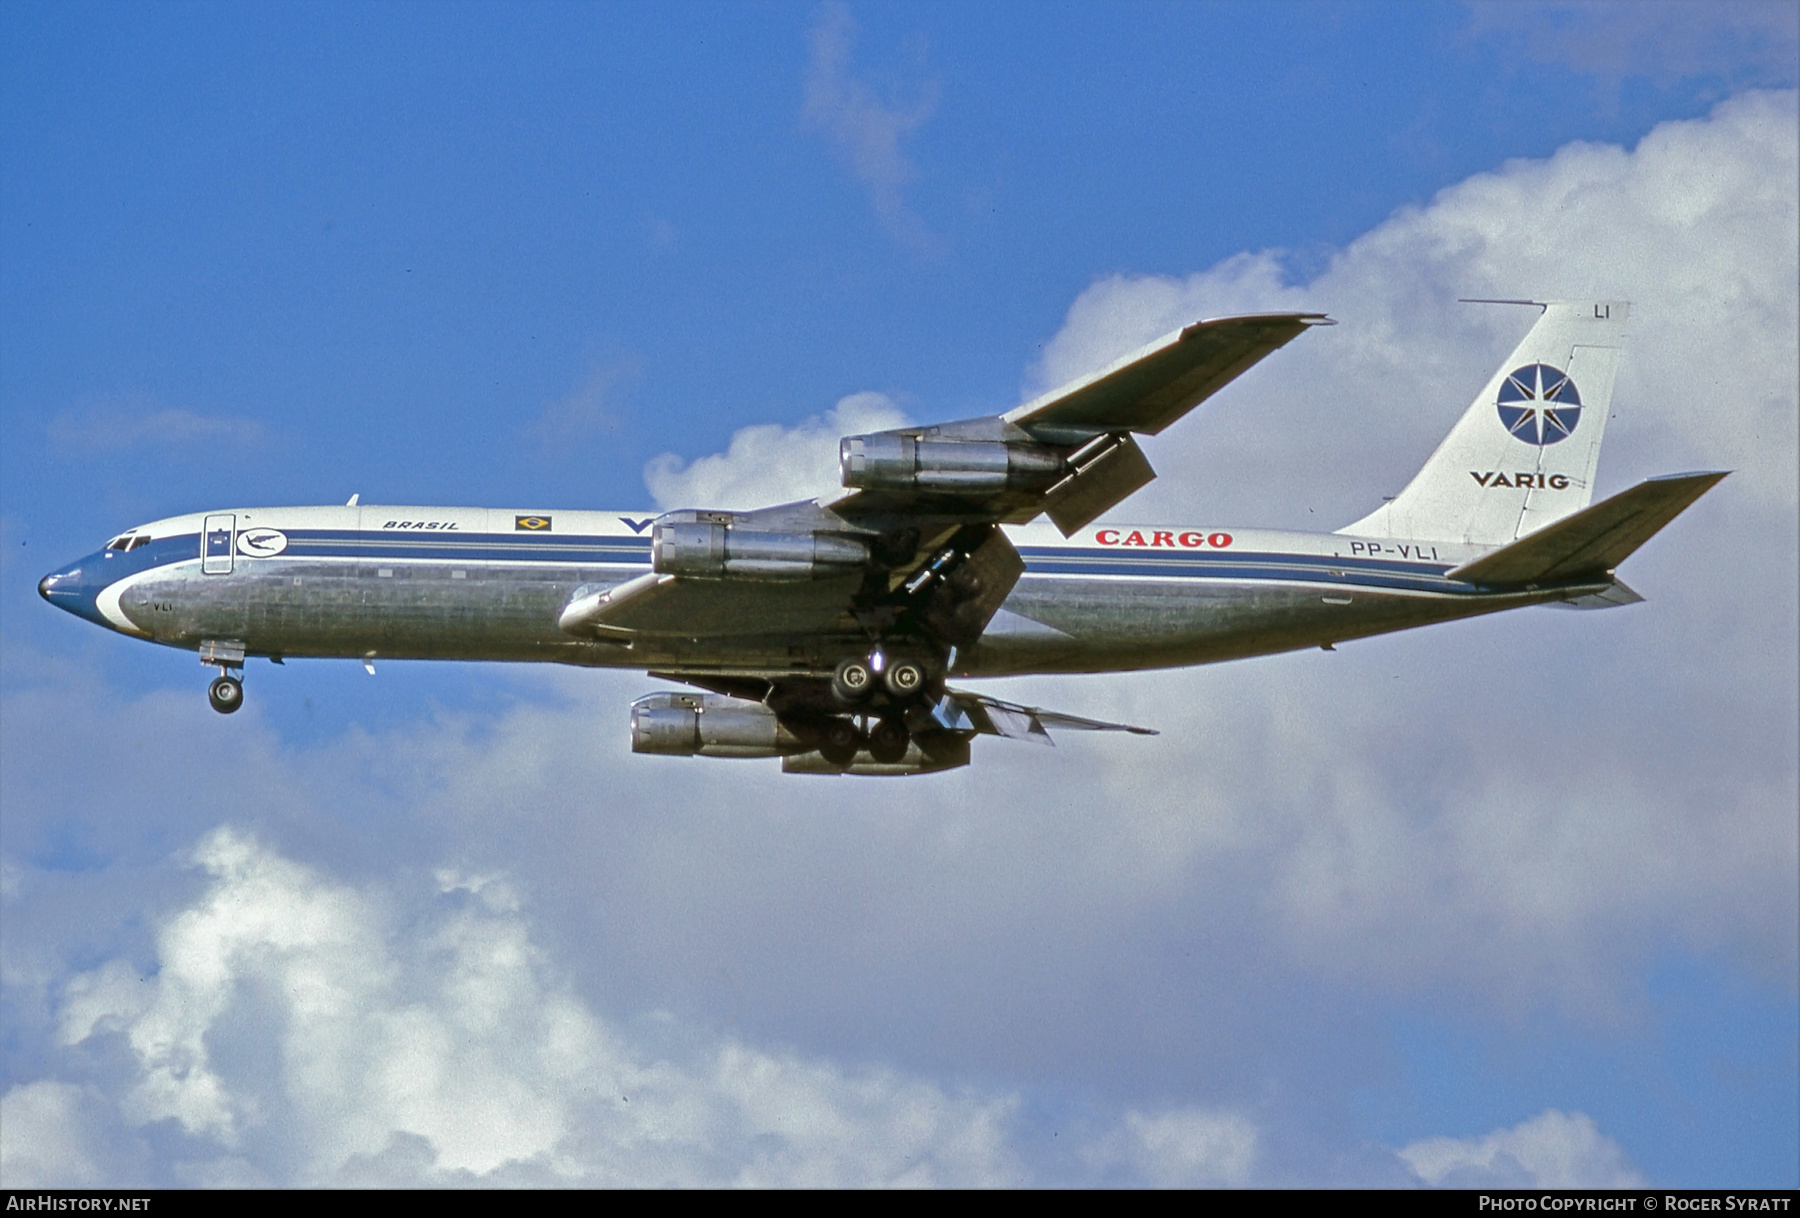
[{"x": 1525, "y": 452}]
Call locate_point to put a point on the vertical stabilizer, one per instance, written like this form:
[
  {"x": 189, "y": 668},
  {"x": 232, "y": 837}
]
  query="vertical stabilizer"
[{"x": 1525, "y": 453}]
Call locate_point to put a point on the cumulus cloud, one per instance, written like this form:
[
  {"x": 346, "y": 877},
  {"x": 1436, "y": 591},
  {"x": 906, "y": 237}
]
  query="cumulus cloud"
[
  {"x": 768, "y": 464},
  {"x": 863, "y": 129},
  {"x": 293, "y": 1022},
  {"x": 1182, "y": 1148},
  {"x": 1552, "y": 1150},
  {"x": 45, "y": 1137}
]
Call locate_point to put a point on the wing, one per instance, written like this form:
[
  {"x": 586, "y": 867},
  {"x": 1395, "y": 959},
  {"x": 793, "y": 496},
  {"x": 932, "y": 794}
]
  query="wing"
[
  {"x": 1070, "y": 453},
  {"x": 1155, "y": 385},
  {"x": 913, "y": 550}
]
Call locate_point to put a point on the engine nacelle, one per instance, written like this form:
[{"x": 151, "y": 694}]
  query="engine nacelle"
[
  {"x": 711, "y": 546},
  {"x": 897, "y": 461},
  {"x": 709, "y": 725},
  {"x": 924, "y": 755}
]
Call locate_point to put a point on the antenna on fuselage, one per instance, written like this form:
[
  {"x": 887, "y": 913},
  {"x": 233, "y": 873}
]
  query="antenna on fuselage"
[{"x": 353, "y": 499}]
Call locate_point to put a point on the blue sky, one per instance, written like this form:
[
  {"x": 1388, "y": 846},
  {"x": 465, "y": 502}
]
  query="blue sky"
[{"x": 513, "y": 255}]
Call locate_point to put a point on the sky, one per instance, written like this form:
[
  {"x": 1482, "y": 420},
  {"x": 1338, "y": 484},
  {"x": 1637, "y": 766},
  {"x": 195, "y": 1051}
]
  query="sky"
[{"x": 1511, "y": 901}]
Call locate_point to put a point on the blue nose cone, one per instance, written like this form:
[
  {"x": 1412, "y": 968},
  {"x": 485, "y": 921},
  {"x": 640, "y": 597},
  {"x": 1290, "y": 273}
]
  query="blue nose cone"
[{"x": 74, "y": 590}]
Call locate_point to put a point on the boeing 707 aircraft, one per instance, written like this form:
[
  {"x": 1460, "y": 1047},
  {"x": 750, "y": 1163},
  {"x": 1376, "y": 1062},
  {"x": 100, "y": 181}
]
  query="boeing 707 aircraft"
[{"x": 825, "y": 632}]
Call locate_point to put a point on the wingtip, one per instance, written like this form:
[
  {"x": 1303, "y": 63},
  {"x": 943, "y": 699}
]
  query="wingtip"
[{"x": 1716, "y": 476}]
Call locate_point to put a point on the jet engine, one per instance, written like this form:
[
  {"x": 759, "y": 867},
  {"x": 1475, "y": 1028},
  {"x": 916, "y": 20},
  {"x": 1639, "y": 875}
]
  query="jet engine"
[
  {"x": 709, "y": 725},
  {"x": 710, "y": 545},
  {"x": 896, "y": 461}
]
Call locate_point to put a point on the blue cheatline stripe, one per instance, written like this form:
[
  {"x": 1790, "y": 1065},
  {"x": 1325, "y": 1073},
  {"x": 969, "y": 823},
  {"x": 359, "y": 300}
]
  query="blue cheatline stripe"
[
  {"x": 1307, "y": 568},
  {"x": 451, "y": 546},
  {"x": 1262, "y": 572},
  {"x": 1040, "y": 560}
]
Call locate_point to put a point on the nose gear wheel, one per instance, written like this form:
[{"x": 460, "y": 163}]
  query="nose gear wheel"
[{"x": 226, "y": 694}]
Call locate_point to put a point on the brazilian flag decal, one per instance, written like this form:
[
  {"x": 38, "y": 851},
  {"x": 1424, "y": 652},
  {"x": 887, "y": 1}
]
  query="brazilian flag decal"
[{"x": 535, "y": 524}]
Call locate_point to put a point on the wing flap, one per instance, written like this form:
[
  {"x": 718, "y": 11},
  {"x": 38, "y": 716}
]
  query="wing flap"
[
  {"x": 1100, "y": 482},
  {"x": 961, "y": 710},
  {"x": 1594, "y": 540},
  {"x": 1155, "y": 385}
]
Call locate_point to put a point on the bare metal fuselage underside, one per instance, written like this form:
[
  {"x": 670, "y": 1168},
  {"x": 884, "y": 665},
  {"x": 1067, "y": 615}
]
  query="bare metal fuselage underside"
[{"x": 1080, "y": 606}]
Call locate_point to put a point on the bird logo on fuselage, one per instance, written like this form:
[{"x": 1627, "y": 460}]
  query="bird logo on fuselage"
[{"x": 261, "y": 543}]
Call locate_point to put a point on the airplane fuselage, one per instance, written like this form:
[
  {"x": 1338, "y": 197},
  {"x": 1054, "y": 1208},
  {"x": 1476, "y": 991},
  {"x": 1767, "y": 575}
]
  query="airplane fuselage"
[{"x": 372, "y": 582}]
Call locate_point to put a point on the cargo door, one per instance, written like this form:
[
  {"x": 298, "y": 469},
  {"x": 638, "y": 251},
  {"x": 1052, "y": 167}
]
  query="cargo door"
[{"x": 216, "y": 541}]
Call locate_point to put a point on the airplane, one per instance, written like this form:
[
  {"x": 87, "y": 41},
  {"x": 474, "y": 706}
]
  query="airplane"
[{"x": 826, "y": 632}]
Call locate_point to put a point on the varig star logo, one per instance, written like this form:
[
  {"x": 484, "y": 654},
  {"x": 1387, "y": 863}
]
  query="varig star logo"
[
  {"x": 1538, "y": 404},
  {"x": 535, "y": 524}
]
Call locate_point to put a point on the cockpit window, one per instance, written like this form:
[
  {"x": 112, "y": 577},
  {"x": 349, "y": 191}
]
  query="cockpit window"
[{"x": 128, "y": 541}]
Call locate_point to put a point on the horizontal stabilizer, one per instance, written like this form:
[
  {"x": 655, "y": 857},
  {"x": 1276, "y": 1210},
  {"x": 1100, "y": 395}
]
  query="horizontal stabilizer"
[
  {"x": 1153, "y": 386},
  {"x": 1594, "y": 540},
  {"x": 961, "y": 710},
  {"x": 1615, "y": 595}
]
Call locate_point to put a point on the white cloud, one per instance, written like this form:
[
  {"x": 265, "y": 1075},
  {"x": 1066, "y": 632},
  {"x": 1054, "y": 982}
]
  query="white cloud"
[
  {"x": 1182, "y": 1148},
  {"x": 1552, "y": 1150},
  {"x": 293, "y": 1021},
  {"x": 865, "y": 131},
  {"x": 44, "y": 1138},
  {"x": 768, "y": 464}
]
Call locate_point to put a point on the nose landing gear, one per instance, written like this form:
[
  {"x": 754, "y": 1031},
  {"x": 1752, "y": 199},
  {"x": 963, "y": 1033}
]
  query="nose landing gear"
[{"x": 226, "y": 694}]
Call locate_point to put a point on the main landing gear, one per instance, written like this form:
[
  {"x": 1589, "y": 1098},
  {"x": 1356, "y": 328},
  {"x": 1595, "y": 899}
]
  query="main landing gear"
[
  {"x": 879, "y": 690},
  {"x": 855, "y": 679}
]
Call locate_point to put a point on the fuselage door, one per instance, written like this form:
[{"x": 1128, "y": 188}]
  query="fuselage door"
[{"x": 215, "y": 544}]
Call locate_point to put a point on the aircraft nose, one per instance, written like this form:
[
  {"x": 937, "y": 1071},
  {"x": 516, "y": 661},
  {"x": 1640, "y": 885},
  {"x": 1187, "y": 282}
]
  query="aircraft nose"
[
  {"x": 66, "y": 589},
  {"x": 58, "y": 581}
]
